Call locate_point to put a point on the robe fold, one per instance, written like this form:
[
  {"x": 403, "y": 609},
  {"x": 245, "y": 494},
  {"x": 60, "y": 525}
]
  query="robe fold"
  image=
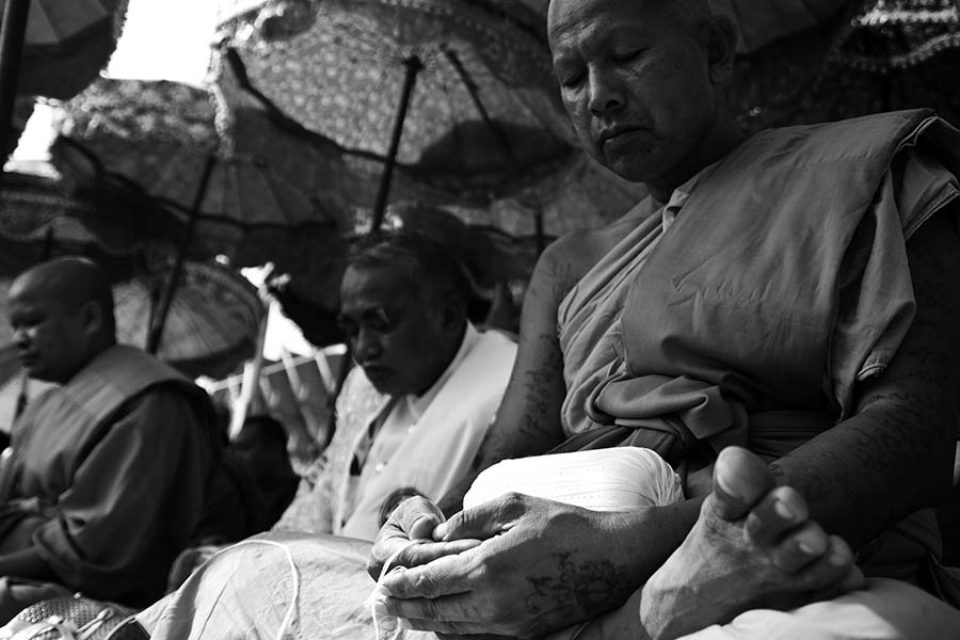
[{"x": 782, "y": 282}]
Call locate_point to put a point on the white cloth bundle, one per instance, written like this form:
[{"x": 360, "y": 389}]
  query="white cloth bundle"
[{"x": 598, "y": 479}]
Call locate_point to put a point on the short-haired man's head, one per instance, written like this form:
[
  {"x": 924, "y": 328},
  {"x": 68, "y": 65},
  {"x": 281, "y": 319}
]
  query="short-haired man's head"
[
  {"x": 642, "y": 81},
  {"x": 62, "y": 315},
  {"x": 428, "y": 268},
  {"x": 402, "y": 309}
]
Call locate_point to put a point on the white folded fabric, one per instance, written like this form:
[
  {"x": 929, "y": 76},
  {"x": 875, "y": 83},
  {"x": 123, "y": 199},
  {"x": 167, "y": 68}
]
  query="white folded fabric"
[{"x": 598, "y": 479}]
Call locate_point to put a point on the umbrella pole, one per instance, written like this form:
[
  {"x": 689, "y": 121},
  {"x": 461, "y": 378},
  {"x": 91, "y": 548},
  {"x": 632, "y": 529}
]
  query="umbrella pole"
[
  {"x": 413, "y": 66},
  {"x": 501, "y": 138},
  {"x": 12, "y": 33},
  {"x": 156, "y": 327},
  {"x": 250, "y": 379}
]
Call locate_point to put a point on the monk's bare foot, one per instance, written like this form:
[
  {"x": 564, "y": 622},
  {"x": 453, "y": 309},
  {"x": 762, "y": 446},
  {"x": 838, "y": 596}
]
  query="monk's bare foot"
[{"x": 754, "y": 546}]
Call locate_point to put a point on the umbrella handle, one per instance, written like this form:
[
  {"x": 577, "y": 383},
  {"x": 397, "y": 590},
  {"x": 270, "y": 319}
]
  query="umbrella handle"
[
  {"x": 413, "y": 67},
  {"x": 166, "y": 300},
  {"x": 12, "y": 33}
]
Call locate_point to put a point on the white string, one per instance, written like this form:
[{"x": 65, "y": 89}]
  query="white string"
[
  {"x": 288, "y": 618},
  {"x": 387, "y": 566}
]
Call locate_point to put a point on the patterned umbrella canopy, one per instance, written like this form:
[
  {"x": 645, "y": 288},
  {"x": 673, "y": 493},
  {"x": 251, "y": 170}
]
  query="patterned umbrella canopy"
[
  {"x": 897, "y": 54},
  {"x": 459, "y": 94},
  {"x": 343, "y": 74},
  {"x": 66, "y": 43},
  {"x": 261, "y": 194},
  {"x": 51, "y": 48},
  {"x": 484, "y": 134},
  {"x": 35, "y": 210},
  {"x": 892, "y": 54},
  {"x": 178, "y": 145},
  {"x": 212, "y": 324}
]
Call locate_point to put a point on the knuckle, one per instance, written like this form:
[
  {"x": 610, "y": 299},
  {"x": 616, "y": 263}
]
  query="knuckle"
[
  {"x": 423, "y": 583},
  {"x": 513, "y": 503}
]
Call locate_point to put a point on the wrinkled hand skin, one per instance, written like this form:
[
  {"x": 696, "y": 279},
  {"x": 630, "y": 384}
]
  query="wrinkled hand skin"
[
  {"x": 413, "y": 519},
  {"x": 541, "y": 565}
]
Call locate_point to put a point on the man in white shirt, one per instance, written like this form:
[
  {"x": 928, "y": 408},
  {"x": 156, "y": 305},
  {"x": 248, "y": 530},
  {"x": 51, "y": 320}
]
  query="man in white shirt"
[{"x": 411, "y": 416}]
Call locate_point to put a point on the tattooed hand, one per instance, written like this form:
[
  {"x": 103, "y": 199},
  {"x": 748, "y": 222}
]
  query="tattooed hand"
[{"x": 542, "y": 565}]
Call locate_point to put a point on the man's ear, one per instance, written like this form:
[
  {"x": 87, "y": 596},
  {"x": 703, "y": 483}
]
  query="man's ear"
[
  {"x": 453, "y": 312},
  {"x": 91, "y": 317},
  {"x": 719, "y": 36}
]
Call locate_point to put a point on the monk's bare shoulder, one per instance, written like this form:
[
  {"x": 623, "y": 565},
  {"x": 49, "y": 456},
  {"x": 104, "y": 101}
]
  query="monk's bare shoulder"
[{"x": 565, "y": 261}]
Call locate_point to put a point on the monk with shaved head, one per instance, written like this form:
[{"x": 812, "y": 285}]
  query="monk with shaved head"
[
  {"x": 66, "y": 309},
  {"x": 105, "y": 479},
  {"x": 774, "y": 321}
]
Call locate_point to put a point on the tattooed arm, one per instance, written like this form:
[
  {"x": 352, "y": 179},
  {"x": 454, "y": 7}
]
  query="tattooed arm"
[
  {"x": 525, "y": 565},
  {"x": 896, "y": 454},
  {"x": 528, "y": 420}
]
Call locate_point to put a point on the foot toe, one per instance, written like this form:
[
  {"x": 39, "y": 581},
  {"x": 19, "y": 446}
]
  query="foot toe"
[
  {"x": 806, "y": 545},
  {"x": 740, "y": 480},
  {"x": 833, "y": 573},
  {"x": 778, "y": 512}
]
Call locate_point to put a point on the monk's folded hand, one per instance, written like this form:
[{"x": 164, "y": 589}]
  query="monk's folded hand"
[
  {"x": 542, "y": 565},
  {"x": 414, "y": 519}
]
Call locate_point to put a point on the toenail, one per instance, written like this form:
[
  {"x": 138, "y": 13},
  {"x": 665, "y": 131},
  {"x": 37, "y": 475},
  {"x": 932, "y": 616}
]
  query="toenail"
[
  {"x": 810, "y": 547},
  {"x": 784, "y": 509},
  {"x": 731, "y": 490}
]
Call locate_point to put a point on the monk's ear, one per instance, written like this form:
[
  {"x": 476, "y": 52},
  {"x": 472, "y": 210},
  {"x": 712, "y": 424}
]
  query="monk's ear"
[
  {"x": 91, "y": 317},
  {"x": 719, "y": 36}
]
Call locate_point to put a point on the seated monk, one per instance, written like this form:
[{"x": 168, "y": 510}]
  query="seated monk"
[
  {"x": 785, "y": 292},
  {"x": 778, "y": 321},
  {"x": 106, "y": 475}
]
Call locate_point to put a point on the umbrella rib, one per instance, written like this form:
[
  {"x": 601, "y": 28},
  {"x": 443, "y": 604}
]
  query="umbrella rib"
[{"x": 474, "y": 94}]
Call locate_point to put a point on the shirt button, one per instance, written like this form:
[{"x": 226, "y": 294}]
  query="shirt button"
[{"x": 380, "y": 466}]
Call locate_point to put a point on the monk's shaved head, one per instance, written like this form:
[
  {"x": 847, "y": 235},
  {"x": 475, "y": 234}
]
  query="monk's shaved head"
[
  {"x": 643, "y": 82},
  {"x": 685, "y": 13},
  {"x": 70, "y": 281},
  {"x": 61, "y": 313}
]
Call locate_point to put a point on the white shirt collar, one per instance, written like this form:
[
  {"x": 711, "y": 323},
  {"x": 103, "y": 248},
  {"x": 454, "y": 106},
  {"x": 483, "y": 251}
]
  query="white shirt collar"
[{"x": 416, "y": 405}]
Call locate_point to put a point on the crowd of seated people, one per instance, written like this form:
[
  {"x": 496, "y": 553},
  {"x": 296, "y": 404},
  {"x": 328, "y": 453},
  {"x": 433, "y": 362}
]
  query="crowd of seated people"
[
  {"x": 774, "y": 330},
  {"x": 775, "y": 321},
  {"x": 427, "y": 384}
]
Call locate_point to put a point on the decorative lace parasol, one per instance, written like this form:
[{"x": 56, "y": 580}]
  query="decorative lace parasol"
[{"x": 893, "y": 54}]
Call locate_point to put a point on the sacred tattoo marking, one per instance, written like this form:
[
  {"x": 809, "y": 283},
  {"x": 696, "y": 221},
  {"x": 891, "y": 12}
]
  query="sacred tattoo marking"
[{"x": 588, "y": 586}]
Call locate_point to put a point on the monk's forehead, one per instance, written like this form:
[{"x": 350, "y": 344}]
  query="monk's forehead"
[{"x": 566, "y": 15}]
